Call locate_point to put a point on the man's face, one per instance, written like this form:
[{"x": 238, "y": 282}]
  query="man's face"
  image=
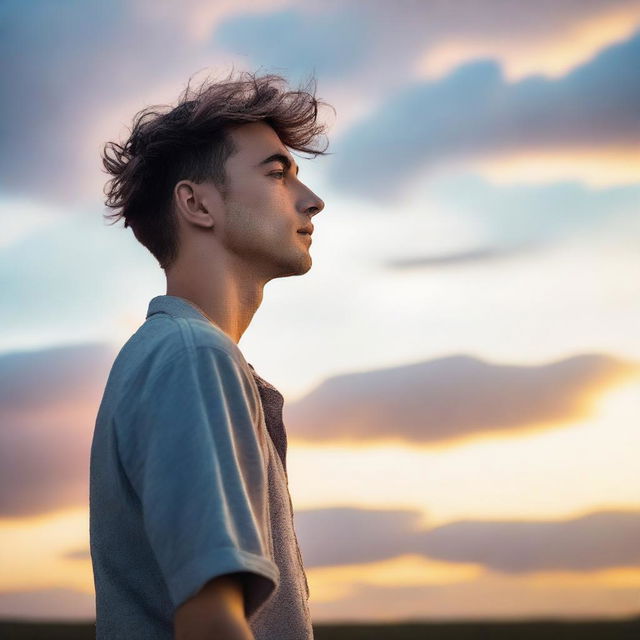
[{"x": 266, "y": 205}]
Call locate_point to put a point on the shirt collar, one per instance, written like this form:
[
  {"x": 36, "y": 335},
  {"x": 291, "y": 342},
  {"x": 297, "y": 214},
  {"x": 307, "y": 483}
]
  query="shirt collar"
[{"x": 178, "y": 307}]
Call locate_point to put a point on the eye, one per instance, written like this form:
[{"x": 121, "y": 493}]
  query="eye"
[{"x": 277, "y": 173}]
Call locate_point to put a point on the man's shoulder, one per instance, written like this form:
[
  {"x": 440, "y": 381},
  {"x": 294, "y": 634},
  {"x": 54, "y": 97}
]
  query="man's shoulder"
[
  {"x": 170, "y": 353},
  {"x": 177, "y": 334},
  {"x": 164, "y": 340}
]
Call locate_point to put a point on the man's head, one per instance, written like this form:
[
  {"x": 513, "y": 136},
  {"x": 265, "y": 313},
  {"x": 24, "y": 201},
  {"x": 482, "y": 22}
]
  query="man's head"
[{"x": 201, "y": 169}]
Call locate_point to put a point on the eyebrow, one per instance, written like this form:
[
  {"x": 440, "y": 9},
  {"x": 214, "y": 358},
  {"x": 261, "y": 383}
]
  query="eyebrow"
[{"x": 279, "y": 157}]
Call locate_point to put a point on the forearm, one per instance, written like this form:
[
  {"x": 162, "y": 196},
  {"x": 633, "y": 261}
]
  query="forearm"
[{"x": 216, "y": 612}]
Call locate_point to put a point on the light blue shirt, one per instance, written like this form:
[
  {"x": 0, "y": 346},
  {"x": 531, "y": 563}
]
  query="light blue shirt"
[{"x": 186, "y": 484}]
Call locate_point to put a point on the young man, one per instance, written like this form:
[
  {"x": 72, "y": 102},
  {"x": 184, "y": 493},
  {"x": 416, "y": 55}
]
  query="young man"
[{"x": 191, "y": 521}]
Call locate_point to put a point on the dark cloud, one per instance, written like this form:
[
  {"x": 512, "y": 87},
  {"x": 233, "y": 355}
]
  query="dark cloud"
[
  {"x": 444, "y": 260},
  {"x": 346, "y": 535},
  {"x": 474, "y": 111},
  {"x": 490, "y": 18},
  {"x": 373, "y": 46},
  {"x": 599, "y": 540},
  {"x": 71, "y": 66},
  {"x": 64, "y": 65},
  {"x": 53, "y": 57},
  {"x": 300, "y": 42},
  {"x": 336, "y": 536},
  {"x": 450, "y": 399},
  {"x": 48, "y": 405},
  {"x": 50, "y": 379},
  {"x": 602, "y": 540}
]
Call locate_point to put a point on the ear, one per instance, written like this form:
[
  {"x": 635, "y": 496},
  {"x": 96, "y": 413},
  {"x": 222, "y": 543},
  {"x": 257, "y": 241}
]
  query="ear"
[{"x": 197, "y": 204}]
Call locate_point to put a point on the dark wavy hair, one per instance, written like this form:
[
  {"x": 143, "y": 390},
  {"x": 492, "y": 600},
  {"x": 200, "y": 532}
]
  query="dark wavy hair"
[{"x": 191, "y": 141}]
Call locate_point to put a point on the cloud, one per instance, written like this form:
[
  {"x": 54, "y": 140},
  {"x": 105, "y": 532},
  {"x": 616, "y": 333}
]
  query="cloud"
[
  {"x": 55, "y": 56},
  {"x": 521, "y": 213},
  {"x": 473, "y": 112},
  {"x": 345, "y": 535},
  {"x": 533, "y": 38},
  {"x": 450, "y": 399},
  {"x": 454, "y": 603},
  {"x": 75, "y": 74},
  {"x": 375, "y": 44},
  {"x": 447, "y": 259},
  {"x": 300, "y": 41},
  {"x": 514, "y": 218},
  {"x": 600, "y": 540},
  {"x": 335, "y": 536},
  {"x": 48, "y": 604},
  {"x": 49, "y": 401},
  {"x": 504, "y": 606}
]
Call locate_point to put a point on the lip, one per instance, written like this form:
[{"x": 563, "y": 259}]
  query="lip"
[{"x": 305, "y": 235}]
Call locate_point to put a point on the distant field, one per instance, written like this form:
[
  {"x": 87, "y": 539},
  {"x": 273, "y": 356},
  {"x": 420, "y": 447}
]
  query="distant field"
[{"x": 622, "y": 630}]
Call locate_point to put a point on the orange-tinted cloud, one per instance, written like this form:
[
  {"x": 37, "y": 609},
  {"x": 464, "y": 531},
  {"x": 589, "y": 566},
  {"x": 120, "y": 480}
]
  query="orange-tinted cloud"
[
  {"x": 88, "y": 55},
  {"x": 594, "y": 541},
  {"x": 450, "y": 399},
  {"x": 489, "y": 597},
  {"x": 50, "y": 399},
  {"x": 527, "y": 49},
  {"x": 597, "y": 167},
  {"x": 474, "y": 113},
  {"x": 583, "y": 554}
]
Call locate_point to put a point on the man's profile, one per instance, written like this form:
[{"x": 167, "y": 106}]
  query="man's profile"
[{"x": 191, "y": 521}]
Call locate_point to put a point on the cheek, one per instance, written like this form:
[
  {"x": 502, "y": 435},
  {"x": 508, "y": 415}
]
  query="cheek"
[
  {"x": 251, "y": 226},
  {"x": 240, "y": 221},
  {"x": 260, "y": 211}
]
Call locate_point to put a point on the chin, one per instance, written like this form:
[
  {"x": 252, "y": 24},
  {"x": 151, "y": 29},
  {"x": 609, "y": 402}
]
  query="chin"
[
  {"x": 308, "y": 262},
  {"x": 299, "y": 268},
  {"x": 307, "y": 268}
]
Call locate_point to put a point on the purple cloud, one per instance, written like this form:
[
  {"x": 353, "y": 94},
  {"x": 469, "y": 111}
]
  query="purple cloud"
[
  {"x": 48, "y": 405},
  {"x": 345, "y": 535},
  {"x": 447, "y": 399}
]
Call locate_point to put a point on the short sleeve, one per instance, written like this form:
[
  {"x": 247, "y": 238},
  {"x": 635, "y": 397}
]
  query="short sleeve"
[{"x": 191, "y": 451}]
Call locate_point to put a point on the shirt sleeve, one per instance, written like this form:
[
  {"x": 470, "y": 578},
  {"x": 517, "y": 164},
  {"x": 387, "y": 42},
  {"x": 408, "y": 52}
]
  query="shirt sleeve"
[{"x": 191, "y": 451}]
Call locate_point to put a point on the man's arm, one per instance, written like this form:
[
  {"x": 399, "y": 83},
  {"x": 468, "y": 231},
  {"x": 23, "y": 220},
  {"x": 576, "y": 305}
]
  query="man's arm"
[
  {"x": 192, "y": 452},
  {"x": 215, "y": 612}
]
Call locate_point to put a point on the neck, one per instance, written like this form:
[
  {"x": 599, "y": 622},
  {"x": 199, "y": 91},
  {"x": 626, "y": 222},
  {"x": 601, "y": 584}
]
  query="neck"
[{"x": 228, "y": 297}]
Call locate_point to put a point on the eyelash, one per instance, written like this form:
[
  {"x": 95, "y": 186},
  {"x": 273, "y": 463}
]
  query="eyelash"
[{"x": 280, "y": 173}]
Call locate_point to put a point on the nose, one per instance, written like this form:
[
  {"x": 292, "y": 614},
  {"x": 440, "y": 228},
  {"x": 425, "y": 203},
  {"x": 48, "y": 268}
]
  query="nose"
[{"x": 314, "y": 204}]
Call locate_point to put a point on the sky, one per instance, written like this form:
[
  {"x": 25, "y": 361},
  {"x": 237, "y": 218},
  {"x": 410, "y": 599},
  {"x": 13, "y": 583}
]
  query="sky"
[{"x": 460, "y": 366}]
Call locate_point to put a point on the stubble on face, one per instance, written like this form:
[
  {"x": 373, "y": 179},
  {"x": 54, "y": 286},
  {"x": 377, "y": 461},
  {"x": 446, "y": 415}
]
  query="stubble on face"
[
  {"x": 260, "y": 218},
  {"x": 262, "y": 244}
]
